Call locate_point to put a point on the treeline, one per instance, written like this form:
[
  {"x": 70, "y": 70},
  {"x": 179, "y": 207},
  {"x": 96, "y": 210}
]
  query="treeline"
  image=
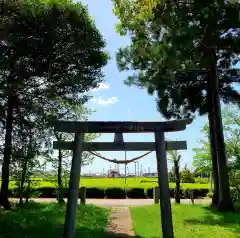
[{"x": 51, "y": 55}]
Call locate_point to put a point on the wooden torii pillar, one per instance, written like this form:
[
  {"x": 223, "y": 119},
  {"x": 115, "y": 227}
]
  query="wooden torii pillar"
[{"x": 160, "y": 146}]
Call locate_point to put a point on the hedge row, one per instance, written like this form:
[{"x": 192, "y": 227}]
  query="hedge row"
[{"x": 114, "y": 193}]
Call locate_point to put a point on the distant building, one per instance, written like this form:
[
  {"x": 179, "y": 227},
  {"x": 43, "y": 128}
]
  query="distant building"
[
  {"x": 130, "y": 175},
  {"x": 150, "y": 175},
  {"x": 113, "y": 174}
]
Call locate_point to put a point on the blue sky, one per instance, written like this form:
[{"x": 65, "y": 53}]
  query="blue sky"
[{"x": 115, "y": 101}]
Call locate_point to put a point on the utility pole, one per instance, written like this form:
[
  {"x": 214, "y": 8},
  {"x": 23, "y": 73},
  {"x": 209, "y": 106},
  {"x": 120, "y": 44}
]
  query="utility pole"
[
  {"x": 135, "y": 163},
  {"x": 138, "y": 168},
  {"x": 125, "y": 167}
]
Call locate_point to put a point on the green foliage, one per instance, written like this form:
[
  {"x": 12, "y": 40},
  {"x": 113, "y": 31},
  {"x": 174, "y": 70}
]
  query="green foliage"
[
  {"x": 44, "y": 40},
  {"x": 210, "y": 195},
  {"x": 235, "y": 193},
  {"x": 231, "y": 126},
  {"x": 203, "y": 180},
  {"x": 175, "y": 158},
  {"x": 195, "y": 193},
  {"x": 131, "y": 14},
  {"x": 171, "y": 176},
  {"x": 186, "y": 176},
  {"x": 161, "y": 36},
  {"x": 231, "y": 122},
  {"x": 202, "y": 157},
  {"x": 52, "y": 54},
  {"x": 234, "y": 176},
  {"x": 26, "y": 193}
]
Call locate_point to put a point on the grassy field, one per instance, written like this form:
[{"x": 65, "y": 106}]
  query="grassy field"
[
  {"x": 117, "y": 182},
  {"x": 190, "y": 221},
  {"x": 46, "y": 220}
]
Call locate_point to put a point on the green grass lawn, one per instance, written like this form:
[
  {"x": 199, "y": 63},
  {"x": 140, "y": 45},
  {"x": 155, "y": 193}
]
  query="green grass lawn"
[
  {"x": 190, "y": 221},
  {"x": 46, "y": 221},
  {"x": 132, "y": 183},
  {"x": 116, "y": 182}
]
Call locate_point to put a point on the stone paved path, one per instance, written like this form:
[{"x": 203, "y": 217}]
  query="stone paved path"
[{"x": 123, "y": 202}]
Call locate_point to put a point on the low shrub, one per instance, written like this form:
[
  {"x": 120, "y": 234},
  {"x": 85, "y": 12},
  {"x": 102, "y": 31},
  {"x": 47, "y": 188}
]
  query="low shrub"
[
  {"x": 115, "y": 193},
  {"x": 14, "y": 192},
  {"x": 10, "y": 192},
  {"x": 184, "y": 193},
  {"x": 195, "y": 193},
  {"x": 64, "y": 191},
  {"x": 171, "y": 177},
  {"x": 172, "y": 192},
  {"x": 136, "y": 193},
  {"x": 95, "y": 193},
  {"x": 201, "y": 193},
  {"x": 203, "y": 181},
  {"x": 149, "y": 193},
  {"x": 234, "y": 177},
  {"x": 210, "y": 195},
  {"x": 26, "y": 193},
  {"x": 50, "y": 192},
  {"x": 186, "y": 176},
  {"x": 187, "y": 180},
  {"x": 235, "y": 194},
  {"x": 46, "y": 192}
]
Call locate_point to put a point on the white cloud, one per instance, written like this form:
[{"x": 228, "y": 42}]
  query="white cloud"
[
  {"x": 101, "y": 86},
  {"x": 101, "y": 101},
  {"x": 129, "y": 110}
]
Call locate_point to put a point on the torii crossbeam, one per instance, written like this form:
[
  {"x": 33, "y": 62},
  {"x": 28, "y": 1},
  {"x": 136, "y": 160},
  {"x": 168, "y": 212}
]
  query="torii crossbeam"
[{"x": 160, "y": 146}]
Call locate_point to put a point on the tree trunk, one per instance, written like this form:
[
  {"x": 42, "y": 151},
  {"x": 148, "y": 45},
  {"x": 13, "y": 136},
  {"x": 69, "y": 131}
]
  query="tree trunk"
[
  {"x": 177, "y": 177},
  {"x": 213, "y": 149},
  {"x": 210, "y": 181},
  {"x": 60, "y": 184},
  {"x": 225, "y": 201},
  {"x": 212, "y": 141},
  {"x": 23, "y": 178},
  {"x": 7, "y": 155},
  {"x": 28, "y": 191}
]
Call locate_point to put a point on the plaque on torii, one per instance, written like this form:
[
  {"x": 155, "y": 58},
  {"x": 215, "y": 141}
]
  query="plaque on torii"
[{"x": 120, "y": 127}]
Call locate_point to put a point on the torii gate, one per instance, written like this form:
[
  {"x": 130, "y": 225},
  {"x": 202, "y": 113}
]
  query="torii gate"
[{"x": 119, "y": 127}]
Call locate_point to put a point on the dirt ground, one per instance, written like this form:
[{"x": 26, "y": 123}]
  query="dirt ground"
[
  {"x": 120, "y": 202},
  {"x": 120, "y": 223}
]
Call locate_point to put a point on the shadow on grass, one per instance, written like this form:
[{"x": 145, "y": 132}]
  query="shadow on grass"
[
  {"x": 36, "y": 220},
  {"x": 86, "y": 233},
  {"x": 214, "y": 218}
]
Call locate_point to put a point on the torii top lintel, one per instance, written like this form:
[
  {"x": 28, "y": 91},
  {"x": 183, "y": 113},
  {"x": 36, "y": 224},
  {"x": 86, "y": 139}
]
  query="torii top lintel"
[{"x": 121, "y": 126}]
